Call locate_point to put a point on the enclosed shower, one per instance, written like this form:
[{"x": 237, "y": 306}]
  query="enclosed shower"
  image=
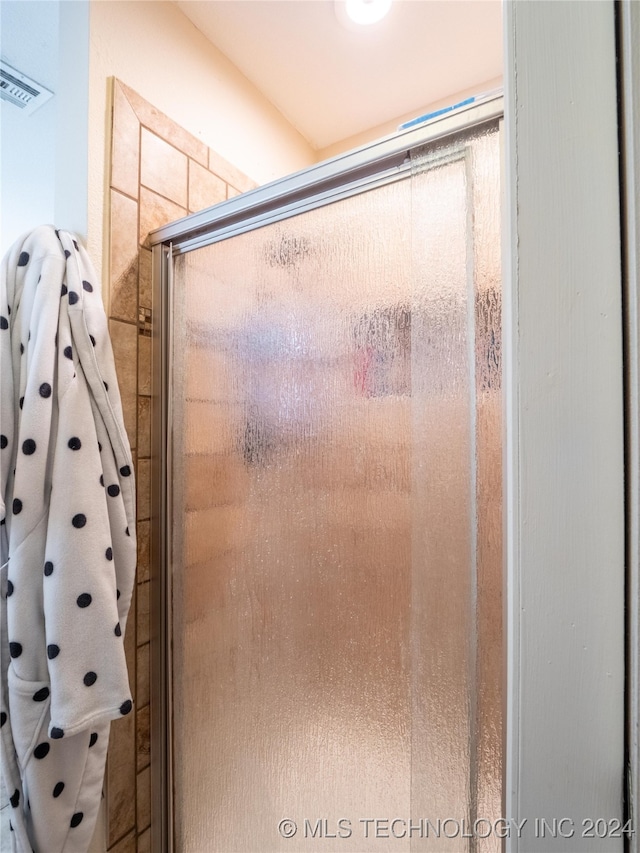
[{"x": 328, "y": 502}]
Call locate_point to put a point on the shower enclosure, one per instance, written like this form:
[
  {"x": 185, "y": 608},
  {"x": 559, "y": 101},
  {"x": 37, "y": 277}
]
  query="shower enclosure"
[{"x": 328, "y": 496}]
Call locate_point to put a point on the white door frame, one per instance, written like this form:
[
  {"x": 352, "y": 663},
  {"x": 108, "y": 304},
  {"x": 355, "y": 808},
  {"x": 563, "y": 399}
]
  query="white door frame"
[
  {"x": 565, "y": 508},
  {"x": 629, "y": 47}
]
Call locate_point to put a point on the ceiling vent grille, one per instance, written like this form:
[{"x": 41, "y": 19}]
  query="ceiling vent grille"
[{"x": 20, "y": 90}]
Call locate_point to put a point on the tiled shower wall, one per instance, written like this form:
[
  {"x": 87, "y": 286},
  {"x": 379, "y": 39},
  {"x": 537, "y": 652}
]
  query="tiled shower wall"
[{"x": 159, "y": 172}]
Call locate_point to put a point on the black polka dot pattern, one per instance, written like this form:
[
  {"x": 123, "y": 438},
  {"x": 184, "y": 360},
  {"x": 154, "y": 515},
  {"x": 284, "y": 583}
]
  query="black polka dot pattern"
[
  {"x": 95, "y": 669},
  {"x": 15, "y": 649},
  {"x": 9, "y": 588},
  {"x": 4, "y": 323},
  {"x": 21, "y": 402},
  {"x": 3, "y": 718},
  {"x": 3, "y": 441},
  {"x": 15, "y": 799},
  {"x": 28, "y": 447},
  {"x": 42, "y": 750},
  {"x": 76, "y": 820},
  {"x": 23, "y": 260}
]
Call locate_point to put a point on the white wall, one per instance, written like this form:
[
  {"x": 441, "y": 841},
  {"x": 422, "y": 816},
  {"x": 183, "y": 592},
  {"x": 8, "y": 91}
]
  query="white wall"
[
  {"x": 153, "y": 48},
  {"x": 44, "y": 155}
]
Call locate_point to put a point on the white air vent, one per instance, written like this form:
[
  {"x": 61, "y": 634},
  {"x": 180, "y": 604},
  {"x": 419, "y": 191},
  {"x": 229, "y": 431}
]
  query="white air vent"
[{"x": 20, "y": 90}]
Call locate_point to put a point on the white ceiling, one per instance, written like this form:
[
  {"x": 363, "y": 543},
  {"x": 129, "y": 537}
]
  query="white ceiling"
[{"x": 331, "y": 82}]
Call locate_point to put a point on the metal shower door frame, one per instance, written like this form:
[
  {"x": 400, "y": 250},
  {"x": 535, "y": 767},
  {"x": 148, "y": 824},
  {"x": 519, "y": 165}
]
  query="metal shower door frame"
[{"x": 349, "y": 174}]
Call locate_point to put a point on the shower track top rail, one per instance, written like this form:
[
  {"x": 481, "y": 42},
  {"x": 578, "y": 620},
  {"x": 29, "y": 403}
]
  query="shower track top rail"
[{"x": 355, "y": 171}]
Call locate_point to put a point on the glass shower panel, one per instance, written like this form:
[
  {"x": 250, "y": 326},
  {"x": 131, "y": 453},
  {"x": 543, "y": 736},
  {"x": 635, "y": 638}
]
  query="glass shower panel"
[{"x": 336, "y": 493}]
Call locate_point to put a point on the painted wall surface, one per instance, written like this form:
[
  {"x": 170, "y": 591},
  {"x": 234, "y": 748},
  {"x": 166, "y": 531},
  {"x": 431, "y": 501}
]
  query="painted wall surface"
[
  {"x": 153, "y": 48},
  {"x": 391, "y": 126},
  {"x": 44, "y": 155}
]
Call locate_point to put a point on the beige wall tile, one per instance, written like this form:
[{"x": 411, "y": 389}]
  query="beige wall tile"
[
  {"x": 211, "y": 427},
  {"x": 209, "y": 532},
  {"x": 144, "y": 365},
  {"x": 124, "y": 339},
  {"x": 144, "y": 551},
  {"x": 205, "y": 188},
  {"x": 143, "y": 488},
  {"x": 143, "y": 799},
  {"x": 163, "y": 168},
  {"x": 155, "y": 210},
  {"x": 125, "y": 144},
  {"x": 165, "y": 127},
  {"x": 204, "y": 590},
  {"x": 232, "y": 192},
  {"x": 143, "y": 677},
  {"x": 144, "y": 279},
  {"x": 121, "y": 779},
  {"x": 230, "y": 173},
  {"x": 144, "y": 426},
  {"x": 208, "y": 375},
  {"x": 143, "y": 727},
  {"x": 215, "y": 480},
  {"x": 144, "y": 842},
  {"x": 142, "y": 627},
  {"x": 123, "y": 258},
  {"x": 125, "y": 845},
  {"x": 168, "y": 186}
]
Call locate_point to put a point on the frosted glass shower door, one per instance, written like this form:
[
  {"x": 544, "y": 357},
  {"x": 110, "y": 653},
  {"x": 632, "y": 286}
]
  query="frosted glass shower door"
[{"x": 336, "y": 545}]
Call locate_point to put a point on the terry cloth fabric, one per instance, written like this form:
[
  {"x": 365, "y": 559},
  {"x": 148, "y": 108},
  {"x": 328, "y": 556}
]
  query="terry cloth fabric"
[{"x": 68, "y": 549}]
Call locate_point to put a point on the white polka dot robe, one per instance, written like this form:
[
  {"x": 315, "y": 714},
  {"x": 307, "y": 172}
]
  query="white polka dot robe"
[{"x": 67, "y": 539}]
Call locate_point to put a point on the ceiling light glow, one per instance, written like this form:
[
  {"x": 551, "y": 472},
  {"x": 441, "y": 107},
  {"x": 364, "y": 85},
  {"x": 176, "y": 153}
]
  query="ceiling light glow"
[{"x": 367, "y": 11}]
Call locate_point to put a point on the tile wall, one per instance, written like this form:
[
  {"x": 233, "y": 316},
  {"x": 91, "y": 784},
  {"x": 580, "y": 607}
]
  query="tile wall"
[{"x": 159, "y": 172}]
